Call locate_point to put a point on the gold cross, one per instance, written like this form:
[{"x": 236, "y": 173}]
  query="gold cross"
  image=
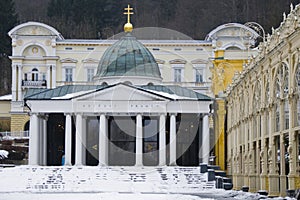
[{"x": 128, "y": 13}]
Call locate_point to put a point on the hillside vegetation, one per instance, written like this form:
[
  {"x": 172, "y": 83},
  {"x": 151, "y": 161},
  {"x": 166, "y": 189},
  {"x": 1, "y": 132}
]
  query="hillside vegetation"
[{"x": 104, "y": 18}]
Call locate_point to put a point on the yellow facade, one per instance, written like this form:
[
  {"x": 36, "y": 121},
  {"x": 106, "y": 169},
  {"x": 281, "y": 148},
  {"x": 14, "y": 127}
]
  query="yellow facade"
[
  {"x": 5, "y": 115},
  {"x": 222, "y": 73},
  {"x": 18, "y": 122}
]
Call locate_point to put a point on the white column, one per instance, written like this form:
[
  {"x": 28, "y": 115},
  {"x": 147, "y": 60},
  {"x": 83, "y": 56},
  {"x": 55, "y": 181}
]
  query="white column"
[
  {"x": 41, "y": 141},
  {"x": 53, "y": 76},
  {"x": 20, "y": 83},
  {"x": 205, "y": 139},
  {"x": 48, "y": 76},
  {"x": 139, "y": 141},
  {"x": 84, "y": 140},
  {"x": 162, "y": 140},
  {"x": 103, "y": 142},
  {"x": 14, "y": 83},
  {"x": 45, "y": 141},
  {"x": 172, "y": 139},
  {"x": 68, "y": 140},
  {"x": 78, "y": 146},
  {"x": 34, "y": 140}
]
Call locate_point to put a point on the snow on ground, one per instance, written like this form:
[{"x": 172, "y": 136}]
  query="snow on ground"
[
  {"x": 216, "y": 195},
  {"x": 97, "y": 196},
  {"x": 112, "y": 183}
]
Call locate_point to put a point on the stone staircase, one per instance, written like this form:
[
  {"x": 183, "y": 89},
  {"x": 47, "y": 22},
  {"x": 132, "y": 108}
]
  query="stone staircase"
[
  {"x": 215, "y": 173},
  {"x": 104, "y": 179}
]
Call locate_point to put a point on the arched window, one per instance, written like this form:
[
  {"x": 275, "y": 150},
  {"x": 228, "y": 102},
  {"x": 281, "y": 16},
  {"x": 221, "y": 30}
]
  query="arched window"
[
  {"x": 285, "y": 88},
  {"x": 34, "y": 74}
]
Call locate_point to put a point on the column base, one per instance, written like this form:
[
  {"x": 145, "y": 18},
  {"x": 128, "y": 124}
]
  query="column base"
[
  {"x": 263, "y": 182},
  {"x": 274, "y": 185},
  {"x": 252, "y": 183},
  {"x": 292, "y": 181},
  {"x": 282, "y": 179}
]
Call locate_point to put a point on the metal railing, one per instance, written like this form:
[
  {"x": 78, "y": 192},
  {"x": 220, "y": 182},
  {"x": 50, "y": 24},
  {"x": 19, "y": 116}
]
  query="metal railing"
[
  {"x": 41, "y": 83},
  {"x": 15, "y": 134}
]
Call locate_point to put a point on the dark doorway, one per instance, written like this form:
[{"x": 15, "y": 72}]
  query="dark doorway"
[
  {"x": 56, "y": 139},
  {"x": 92, "y": 141},
  {"x": 187, "y": 144},
  {"x": 150, "y": 141},
  {"x": 121, "y": 131}
]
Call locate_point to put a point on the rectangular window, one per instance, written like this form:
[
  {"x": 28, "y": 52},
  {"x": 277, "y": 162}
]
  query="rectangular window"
[
  {"x": 199, "y": 75},
  {"x": 177, "y": 75},
  {"x": 90, "y": 74},
  {"x": 69, "y": 75},
  {"x": 44, "y": 76}
]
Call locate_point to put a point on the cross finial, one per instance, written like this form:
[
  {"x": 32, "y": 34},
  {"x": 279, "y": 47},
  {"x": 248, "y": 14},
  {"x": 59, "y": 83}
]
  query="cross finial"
[
  {"x": 128, "y": 13},
  {"x": 128, "y": 26}
]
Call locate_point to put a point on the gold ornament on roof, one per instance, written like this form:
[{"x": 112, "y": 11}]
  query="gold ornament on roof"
[{"x": 128, "y": 26}]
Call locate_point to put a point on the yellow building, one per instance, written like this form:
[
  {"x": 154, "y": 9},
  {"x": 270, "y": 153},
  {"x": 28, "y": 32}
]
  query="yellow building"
[{"x": 228, "y": 60}]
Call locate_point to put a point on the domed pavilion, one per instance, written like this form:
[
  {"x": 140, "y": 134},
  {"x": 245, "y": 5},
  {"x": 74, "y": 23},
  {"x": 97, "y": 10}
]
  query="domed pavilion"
[{"x": 126, "y": 118}]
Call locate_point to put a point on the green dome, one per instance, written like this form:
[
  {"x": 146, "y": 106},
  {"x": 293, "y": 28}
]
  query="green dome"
[{"x": 127, "y": 57}]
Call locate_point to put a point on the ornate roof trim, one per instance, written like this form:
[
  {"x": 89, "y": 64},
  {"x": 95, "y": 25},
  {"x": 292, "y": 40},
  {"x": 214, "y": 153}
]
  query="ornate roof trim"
[
  {"x": 229, "y": 25},
  {"x": 50, "y": 28}
]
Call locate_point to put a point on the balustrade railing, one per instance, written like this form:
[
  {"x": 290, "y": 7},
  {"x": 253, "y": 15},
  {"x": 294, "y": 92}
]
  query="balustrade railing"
[
  {"x": 14, "y": 134},
  {"x": 42, "y": 83}
]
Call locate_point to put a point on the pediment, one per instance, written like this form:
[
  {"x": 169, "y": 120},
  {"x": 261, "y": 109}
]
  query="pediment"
[
  {"x": 68, "y": 60},
  {"x": 121, "y": 92},
  {"x": 177, "y": 61},
  {"x": 34, "y": 28},
  {"x": 199, "y": 61},
  {"x": 90, "y": 60}
]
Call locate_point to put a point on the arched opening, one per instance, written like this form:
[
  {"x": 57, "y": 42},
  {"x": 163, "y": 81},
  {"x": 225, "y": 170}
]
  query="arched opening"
[
  {"x": 233, "y": 48},
  {"x": 104, "y": 84},
  {"x": 26, "y": 126},
  {"x": 34, "y": 74}
]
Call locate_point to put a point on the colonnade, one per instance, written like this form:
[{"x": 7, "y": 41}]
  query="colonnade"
[{"x": 38, "y": 139}]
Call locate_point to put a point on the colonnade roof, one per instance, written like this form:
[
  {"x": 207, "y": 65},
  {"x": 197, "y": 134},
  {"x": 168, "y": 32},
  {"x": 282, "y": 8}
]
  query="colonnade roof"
[{"x": 172, "y": 92}]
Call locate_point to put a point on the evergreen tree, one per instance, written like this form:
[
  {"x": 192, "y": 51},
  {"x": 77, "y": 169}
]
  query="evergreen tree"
[{"x": 9, "y": 19}]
